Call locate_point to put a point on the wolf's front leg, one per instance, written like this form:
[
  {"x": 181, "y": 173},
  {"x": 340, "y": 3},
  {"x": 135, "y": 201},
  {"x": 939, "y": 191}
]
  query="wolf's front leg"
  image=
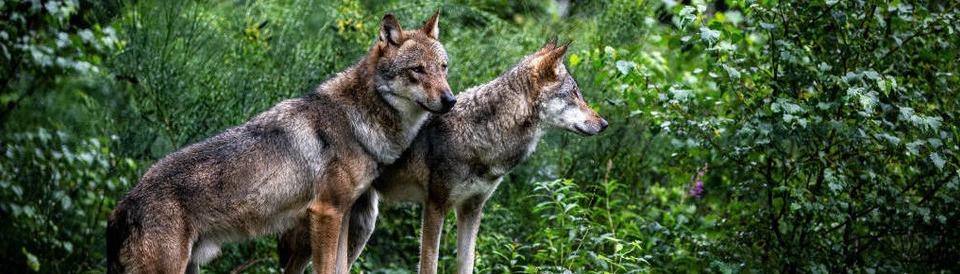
[
  {"x": 325, "y": 222},
  {"x": 468, "y": 224},
  {"x": 433, "y": 214},
  {"x": 336, "y": 190}
]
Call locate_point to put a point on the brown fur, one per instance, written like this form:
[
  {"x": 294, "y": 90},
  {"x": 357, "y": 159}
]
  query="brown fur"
[
  {"x": 459, "y": 158},
  {"x": 303, "y": 161}
]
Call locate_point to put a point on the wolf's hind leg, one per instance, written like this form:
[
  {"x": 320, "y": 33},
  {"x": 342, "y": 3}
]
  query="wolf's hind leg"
[{"x": 157, "y": 251}]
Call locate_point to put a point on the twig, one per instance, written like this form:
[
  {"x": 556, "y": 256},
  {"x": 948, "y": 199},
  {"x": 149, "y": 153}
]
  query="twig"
[{"x": 246, "y": 265}]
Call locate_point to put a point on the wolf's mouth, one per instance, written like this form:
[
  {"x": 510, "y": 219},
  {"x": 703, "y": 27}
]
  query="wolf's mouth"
[
  {"x": 583, "y": 132},
  {"x": 428, "y": 109}
]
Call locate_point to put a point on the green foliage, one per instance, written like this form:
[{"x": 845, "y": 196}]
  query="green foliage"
[
  {"x": 823, "y": 134},
  {"x": 46, "y": 48},
  {"x": 833, "y": 140},
  {"x": 53, "y": 186}
]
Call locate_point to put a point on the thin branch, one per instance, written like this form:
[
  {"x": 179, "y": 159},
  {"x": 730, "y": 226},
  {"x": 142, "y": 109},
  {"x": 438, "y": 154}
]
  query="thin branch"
[{"x": 246, "y": 265}]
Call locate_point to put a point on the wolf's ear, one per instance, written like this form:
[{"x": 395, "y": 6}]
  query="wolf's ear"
[
  {"x": 548, "y": 63},
  {"x": 431, "y": 27},
  {"x": 551, "y": 44},
  {"x": 390, "y": 31}
]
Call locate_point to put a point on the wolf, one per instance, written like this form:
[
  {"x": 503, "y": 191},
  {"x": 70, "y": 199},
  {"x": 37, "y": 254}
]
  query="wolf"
[
  {"x": 459, "y": 158},
  {"x": 305, "y": 160}
]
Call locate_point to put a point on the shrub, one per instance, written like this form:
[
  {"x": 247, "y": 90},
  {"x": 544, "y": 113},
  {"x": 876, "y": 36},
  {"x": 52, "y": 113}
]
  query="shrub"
[{"x": 57, "y": 191}]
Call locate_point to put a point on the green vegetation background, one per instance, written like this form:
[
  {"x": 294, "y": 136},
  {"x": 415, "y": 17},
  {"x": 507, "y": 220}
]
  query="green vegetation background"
[{"x": 746, "y": 136}]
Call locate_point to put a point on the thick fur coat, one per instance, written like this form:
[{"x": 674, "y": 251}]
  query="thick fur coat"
[
  {"x": 305, "y": 160},
  {"x": 460, "y": 157}
]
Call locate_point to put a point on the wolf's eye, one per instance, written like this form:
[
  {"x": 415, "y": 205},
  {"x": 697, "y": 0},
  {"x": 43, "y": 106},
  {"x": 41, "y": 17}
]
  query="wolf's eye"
[{"x": 419, "y": 69}]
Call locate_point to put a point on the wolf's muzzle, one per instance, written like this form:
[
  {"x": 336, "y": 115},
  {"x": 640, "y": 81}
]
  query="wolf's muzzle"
[{"x": 447, "y": 100}]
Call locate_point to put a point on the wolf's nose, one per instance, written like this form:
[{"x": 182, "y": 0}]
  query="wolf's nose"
[
  {"x": 603, "y": 124},
  {"x": 448, "y": 101}
]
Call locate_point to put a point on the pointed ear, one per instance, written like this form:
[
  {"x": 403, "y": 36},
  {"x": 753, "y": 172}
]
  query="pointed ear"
[
  {"x": 548, "y": 64},
  {"x": 431, "y": 27},
  {"x": 390, "y": 31},
  {"x": 551, "y": 44}
]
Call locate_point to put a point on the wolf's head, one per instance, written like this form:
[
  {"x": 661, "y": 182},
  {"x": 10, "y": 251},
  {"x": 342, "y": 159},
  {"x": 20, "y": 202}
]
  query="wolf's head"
[
  {"x": 412, "y": 65},
  {"x": 557, "y": 96}
]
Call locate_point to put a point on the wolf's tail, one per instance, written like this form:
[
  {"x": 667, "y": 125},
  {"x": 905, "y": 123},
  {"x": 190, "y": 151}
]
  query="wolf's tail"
[{"x": 118, "y": 229}]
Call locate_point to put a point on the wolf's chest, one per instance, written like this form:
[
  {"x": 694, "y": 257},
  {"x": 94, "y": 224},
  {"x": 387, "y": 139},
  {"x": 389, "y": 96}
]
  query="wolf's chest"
[
  {"x": 473, "y": 187},
  {"x": 383, "y": 142}
]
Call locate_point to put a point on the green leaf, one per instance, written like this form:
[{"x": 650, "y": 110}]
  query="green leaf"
[
  {"x": 32, "y": 260},
  {"x": 625, "y": 66},
  {"x": 708, "y": 35},
  {"x": 937, "y": 160},
  {"x": 575, "y": 60},
  {"x": 687, "y": 15}
]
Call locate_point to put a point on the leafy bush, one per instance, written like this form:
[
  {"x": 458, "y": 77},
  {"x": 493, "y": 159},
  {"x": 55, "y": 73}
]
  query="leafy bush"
[
  {"x": 828, "y": 149},
  {"x": 44, "y": 46},
  {"x": 57, "y": 191},
  {"x": 837, "y": 152}
]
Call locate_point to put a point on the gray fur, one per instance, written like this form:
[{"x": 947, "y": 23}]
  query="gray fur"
[
  {"x": 459, "y": 158},
  {"x": 303, "y": 160}
]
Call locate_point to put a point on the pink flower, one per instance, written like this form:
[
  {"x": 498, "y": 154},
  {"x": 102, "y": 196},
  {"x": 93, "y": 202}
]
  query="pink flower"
[{"x": 697, "y": 189}]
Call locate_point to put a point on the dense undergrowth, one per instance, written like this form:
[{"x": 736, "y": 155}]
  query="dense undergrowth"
[{"x": 746, "y": 136}]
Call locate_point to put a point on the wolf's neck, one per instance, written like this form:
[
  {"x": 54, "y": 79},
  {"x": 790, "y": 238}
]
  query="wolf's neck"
[
  {"x": 503, "y": 114},
  {"x": 506, "y": 102},
  {"x": 383, "y": 125}
]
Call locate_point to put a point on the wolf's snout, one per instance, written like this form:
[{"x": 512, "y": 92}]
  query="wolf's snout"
[
  {"x": 447, "y": 100},
  {"x": 603, "y": 125}
]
